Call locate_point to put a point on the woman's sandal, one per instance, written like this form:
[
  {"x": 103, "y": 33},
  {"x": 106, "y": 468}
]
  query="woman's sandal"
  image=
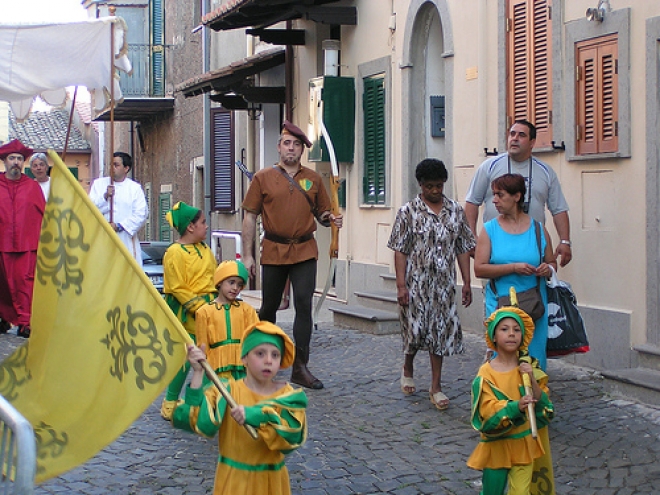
[
  {"x": 284, "y": 304},
  {"x": 439, "y": 400},
  {"x": 407, "y": 385}
]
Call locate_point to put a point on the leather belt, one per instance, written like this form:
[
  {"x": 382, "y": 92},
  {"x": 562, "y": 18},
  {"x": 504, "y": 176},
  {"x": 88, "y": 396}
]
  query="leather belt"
[{"x": 284, "y": 240}]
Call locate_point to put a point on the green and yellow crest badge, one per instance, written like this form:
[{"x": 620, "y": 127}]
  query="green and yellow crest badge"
[{"x": 306, "y": 184}]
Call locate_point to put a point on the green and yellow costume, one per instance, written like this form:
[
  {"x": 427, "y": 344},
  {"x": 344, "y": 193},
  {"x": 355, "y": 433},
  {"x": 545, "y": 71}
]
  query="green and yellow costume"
[
  {"x": 220, "y": 328},
  {"x": 506, "y": 452},
  {"x": 247, "y": 466}
]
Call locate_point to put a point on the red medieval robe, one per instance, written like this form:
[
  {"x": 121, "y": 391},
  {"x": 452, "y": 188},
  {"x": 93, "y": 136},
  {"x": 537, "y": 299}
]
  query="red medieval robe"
[{"x": 22, "y": 207}]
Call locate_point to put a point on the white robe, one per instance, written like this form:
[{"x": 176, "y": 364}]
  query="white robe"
[{"x": 129, "y": 210}]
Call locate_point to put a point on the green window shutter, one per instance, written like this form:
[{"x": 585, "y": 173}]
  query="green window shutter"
[
  {"x": 157, "y": 48},
  {"x": 147, "y": 223},
  {"x": 164, "y": 205},
  {"x": 222, "y": 161},
  {"x": 373, "y": 180}
]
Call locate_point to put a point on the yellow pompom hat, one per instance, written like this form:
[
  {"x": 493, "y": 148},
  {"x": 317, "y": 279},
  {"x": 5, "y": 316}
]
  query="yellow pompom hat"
[
  {"x": 265, "y": 332},
  {"x": 228, "y": 269}
]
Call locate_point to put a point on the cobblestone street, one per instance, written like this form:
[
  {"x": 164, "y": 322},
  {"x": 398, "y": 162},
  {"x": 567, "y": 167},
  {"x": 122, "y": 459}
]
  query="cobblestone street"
[{"x": 366, "y": 437}]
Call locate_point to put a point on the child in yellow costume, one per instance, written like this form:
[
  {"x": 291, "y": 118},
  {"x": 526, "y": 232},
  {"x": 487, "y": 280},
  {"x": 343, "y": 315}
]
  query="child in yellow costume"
[
  {"x": 506, "y": 452},
  {"x": 274, "y": 408},
  {"x": 188, "y": 267},
  {"x": 220, "y": 325}
]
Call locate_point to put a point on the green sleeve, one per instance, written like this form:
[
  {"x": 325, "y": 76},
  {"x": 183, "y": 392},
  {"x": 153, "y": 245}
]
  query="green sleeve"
[{"x": 201, "y": 412}]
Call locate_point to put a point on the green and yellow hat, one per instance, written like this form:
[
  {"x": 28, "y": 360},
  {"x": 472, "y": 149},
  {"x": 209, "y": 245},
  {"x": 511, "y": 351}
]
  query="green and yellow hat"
[
  {"x": 524, "y": 320},
  {"x": 180, "y": 216},
  {"x": 265, "y": 332},
  {"x": 228, "y": 269}
]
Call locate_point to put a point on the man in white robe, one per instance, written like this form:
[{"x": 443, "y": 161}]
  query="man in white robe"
[{"x": 129, "y": 203}]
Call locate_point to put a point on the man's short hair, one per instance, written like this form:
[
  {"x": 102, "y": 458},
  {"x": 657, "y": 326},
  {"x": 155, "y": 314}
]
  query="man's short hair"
[
  {"x": 530, "y": 126},
  {"x": 125, "y": 159}
]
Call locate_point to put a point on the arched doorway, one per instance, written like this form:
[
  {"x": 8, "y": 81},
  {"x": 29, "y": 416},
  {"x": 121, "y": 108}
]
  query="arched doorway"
[{"x": 427, "y": 73}]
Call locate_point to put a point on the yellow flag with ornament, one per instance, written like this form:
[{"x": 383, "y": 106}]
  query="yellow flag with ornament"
[{"x": 104, "y": 344}]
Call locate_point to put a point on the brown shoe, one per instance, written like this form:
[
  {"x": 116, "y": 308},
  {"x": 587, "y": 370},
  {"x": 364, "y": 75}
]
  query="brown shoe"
[{"x": 300, "y": 375}]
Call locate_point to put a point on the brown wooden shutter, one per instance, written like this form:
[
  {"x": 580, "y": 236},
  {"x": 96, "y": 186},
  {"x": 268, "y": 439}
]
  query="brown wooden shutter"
[
  {"x": 542, "y": 87},
  {"x": 597, "y": 96},
  {"x": 517, "y": 62},
  {"x": 529, "y": 66},
  {"x": 609, "y": 135}
]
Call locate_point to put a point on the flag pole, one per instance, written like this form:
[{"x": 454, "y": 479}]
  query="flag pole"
[
  {"x": 68, "y": 129},
  {"x": 111, "y": 188}
]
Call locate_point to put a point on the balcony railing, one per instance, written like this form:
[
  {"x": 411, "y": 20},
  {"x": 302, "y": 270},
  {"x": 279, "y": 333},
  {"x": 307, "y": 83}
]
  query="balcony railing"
[{"x": 148, "y": 77}]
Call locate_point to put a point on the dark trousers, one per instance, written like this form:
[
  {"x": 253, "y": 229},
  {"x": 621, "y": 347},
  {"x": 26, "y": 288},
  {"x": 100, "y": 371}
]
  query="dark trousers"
[{"x": 303, "y": 281}]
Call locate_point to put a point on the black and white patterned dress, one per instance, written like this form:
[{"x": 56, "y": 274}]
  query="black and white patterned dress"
[{"x": 431, "y": 243}]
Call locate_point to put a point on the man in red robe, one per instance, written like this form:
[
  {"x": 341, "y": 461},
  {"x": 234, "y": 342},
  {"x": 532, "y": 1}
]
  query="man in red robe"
[{"x": 22, "y": 207}]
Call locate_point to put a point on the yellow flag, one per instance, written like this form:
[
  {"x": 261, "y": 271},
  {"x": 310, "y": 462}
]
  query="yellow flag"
[{"x": 104, "y": 344}]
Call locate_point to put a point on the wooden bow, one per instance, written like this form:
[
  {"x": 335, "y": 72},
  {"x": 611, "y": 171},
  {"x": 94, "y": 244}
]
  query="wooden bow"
[{"x": 334, "y": 202}]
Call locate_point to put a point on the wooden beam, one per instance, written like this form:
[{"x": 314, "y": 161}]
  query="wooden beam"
[{"x": 280, "y": 36}]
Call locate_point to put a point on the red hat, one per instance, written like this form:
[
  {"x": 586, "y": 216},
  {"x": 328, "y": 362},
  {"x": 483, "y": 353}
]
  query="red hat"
[
  {"x": 15, "y": 146},
  {"x": 294, "y": 130}
]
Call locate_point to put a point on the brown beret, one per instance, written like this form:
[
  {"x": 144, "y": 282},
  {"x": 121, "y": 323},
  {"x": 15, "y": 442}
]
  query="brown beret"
[
  {"x": 15, "y": 146},
  {"x": 289, "y": 128}
]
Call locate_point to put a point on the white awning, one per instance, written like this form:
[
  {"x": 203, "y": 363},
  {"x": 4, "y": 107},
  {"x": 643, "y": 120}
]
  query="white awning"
[{"x": 43, "y": 59}]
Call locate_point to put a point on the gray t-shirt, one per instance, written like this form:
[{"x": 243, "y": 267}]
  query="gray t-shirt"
[{"x": 545, "y": 186}]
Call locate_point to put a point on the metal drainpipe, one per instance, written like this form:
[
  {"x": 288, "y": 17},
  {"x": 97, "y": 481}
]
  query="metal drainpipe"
[
  {"x": 206, "y": 119},
  {"x": 288, "y": 79}
]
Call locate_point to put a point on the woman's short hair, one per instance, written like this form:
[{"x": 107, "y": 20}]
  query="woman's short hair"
[
  {"x": 511, "y": 183},
  {"x": 430, "y": 169}
]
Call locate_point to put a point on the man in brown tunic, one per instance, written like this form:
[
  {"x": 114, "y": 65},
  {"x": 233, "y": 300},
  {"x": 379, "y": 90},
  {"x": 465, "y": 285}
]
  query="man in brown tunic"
[{"x": 288, "y": 197}]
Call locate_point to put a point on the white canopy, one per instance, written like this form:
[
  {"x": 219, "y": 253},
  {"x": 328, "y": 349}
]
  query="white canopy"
[{"x": 43, "y": 59}]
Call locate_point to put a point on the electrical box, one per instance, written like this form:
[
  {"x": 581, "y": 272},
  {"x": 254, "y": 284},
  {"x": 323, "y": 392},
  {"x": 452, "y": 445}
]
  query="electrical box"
[
  {"x": 332, "y": 99},
  {"x": 437, "y": 116}
]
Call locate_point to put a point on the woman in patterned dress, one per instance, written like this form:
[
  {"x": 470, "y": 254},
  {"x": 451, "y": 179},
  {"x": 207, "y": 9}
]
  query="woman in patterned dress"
[{"x": 430, "y": 234}]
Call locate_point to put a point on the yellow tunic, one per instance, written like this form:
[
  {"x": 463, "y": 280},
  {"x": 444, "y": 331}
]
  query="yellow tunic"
[
  {"x": 220, "y": 328},
  {"x": 505, "y": 437},
  {"x": 188, "y": 280},
  {"x": 247, "y": 466}
]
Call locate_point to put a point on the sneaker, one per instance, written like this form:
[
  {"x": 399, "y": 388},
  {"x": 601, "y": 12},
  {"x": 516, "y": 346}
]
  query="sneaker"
[{"x": 24, "y": 331}]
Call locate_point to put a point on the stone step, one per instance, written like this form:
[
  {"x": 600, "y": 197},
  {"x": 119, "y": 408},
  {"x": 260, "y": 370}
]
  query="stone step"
[
  {"x": 649, "y": 356},
  {"x": 642, "y": 384},
  {"x": 366, "y": 320},
  {"x": 378, "y": 299},
  {"x": 389, "y": 281}
]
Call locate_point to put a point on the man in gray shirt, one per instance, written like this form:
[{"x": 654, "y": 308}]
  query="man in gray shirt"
[{"x": 542, "y": 187}]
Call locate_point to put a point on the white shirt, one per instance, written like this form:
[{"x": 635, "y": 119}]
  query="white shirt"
[
  {"x": 45, "y": 187},
  {"x": 129, "y": 210}
]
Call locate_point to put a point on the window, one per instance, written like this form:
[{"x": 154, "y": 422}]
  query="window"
[
  {"x": 529, "y": 66},
  {"x": 373, "y": 103},
  {"x": 157, "y": 48},
  {"x": 599, "y": 125},
  {"x": 596, "y": 94},
  {"x": 147, "y": 223},
  {"x": 222, "y": 161},
  {"x": 164, "y": 205}
]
